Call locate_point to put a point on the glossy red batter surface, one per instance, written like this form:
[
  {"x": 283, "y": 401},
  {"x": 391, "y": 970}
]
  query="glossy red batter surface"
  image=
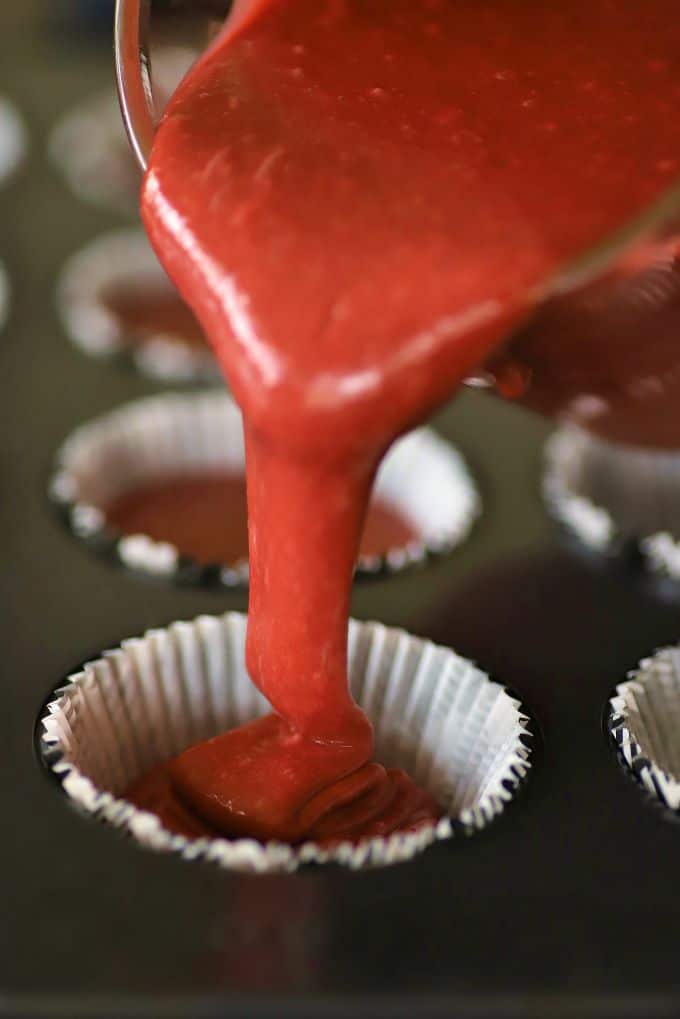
[
  {"x": 359, "y": 198},
  {"x": 205, "y": 516}
]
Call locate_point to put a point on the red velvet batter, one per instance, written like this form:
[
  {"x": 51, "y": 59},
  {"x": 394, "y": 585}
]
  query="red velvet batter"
[
  {"x": 358, "y": 198},
  {"x": 154, "y": 792},
  {"x": 205, "y": 516},
  {"x": 148, "y": 314}
]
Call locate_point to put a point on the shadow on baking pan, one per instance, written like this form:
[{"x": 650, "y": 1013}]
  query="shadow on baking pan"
[{"x": 595, "y": 616}]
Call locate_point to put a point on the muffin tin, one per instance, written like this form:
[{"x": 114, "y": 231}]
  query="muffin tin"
[{"x": 566, "y": 906}]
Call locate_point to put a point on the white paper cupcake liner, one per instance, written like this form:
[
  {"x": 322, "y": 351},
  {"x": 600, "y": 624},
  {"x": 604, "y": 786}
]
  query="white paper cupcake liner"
[
  {"x": 12, "y": 139},
  {"x": 423, "y": 478},
  {"x": 611, "y": 495},
  {"x": 461, "y": 736},
  {"x": 89, "y": 145},
  {"x": 644, "y": 723},
  {"x": 124, "y": 260}
]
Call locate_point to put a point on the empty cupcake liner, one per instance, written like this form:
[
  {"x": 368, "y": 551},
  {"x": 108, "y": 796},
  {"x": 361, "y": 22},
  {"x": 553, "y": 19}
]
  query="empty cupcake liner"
[
  {"x": 89, "y": 146},
  {"x": 610, "y": 495},
  {"x": 460, "y": 735},
  {"x": 124, "y": 259},
  {"x": 423, "y": 477},
  {"x": 644, "y": 723},
  {"x": 12, "y": 139}
]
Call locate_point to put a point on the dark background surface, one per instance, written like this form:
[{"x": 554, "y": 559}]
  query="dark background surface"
[{"x": 569, "y": 905}]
